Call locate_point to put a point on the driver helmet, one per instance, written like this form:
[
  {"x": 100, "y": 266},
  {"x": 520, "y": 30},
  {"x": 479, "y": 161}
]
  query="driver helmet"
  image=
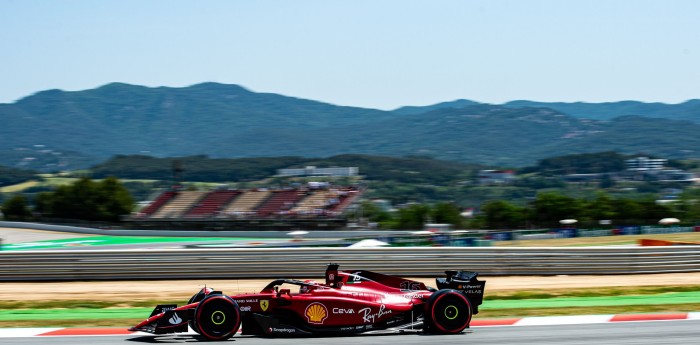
[{"x": 308, "y": 288}]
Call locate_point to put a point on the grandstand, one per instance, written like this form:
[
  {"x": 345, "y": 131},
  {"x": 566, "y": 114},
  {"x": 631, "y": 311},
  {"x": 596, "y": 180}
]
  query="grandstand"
[
  {"x": 280, "y": 202},
  {"x": 178, "y": 205},
  {"x": 344, "y": 197},
  {"x": 313, "y": 203},
  {"x": 212, "y": 204},
  {"x": 246, "y": 204},
  {"x": 182, "y": 208},
  {"x": 158, "y": 203}
]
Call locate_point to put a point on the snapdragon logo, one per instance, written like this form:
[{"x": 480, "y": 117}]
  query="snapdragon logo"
[{"x": 281, "y": 330}]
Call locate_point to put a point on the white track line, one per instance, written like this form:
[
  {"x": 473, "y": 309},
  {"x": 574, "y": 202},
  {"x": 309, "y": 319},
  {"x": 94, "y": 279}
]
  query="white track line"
[{"x": 563, "y": 320}]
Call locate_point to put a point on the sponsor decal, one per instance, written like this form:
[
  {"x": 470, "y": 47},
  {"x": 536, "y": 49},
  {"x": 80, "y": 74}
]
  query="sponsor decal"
[
  {"x": 264, "y": 304},
  {"x": 245, "y": 308},
  {"x": 343, "y": 311},
  {"x": 281, "y": 330},
  {"x": 412, "y": 296},
  {"x": 316, "y": 313},
  {"x": 664, "y": 230},
  {"x": 369, "y": 317},
  {"x": 409, "y": 286},
  {"x": 470, "y": 289},
  {"x": 347, "y": 328},
  {"x": 175, "y": 319},
  {"x": 354, "y": 278},
  {"x": 250, "y": 300}
]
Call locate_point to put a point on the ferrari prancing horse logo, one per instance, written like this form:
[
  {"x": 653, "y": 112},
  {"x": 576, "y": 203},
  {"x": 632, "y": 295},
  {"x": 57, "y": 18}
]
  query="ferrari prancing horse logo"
[{"x": 264, "y": 304}]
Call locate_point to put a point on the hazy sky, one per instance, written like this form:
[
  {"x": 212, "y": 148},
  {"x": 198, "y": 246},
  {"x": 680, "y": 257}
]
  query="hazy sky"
[{"x": 375, "y": 53}]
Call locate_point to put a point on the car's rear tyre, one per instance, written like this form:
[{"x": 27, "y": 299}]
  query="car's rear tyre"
[
  {"x": 447, "y": 311},
  {"x": 217, "y": 317}
]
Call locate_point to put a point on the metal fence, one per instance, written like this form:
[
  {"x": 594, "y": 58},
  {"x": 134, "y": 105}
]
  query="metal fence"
[{"x": 310, "y": 262}]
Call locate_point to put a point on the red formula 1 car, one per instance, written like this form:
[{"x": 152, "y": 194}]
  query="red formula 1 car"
[{"x": 348, "y": 302}]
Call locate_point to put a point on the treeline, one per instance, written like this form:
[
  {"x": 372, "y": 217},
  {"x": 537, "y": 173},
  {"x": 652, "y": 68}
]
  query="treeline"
[
  {"x": 591, "y": 163},
  {"x": 414, "y": 216},
  {"x": 407, "y": 170},
  {"x": 85, "y": 199},
  {"x": 546, "y": 211},
  {"x": 192, "y": 168},
  {"x": 203, "y": 168},
  {"x": 585, "y": 163},
  {"x": 10, "y": 176}
]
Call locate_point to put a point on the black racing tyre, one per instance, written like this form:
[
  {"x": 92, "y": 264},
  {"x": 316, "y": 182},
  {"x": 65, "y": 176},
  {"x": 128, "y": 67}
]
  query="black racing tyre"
[
  {"x": 217, "y": 317},
  {"x": 447, "y": 311},
  {"x": 196, "y": 298}
]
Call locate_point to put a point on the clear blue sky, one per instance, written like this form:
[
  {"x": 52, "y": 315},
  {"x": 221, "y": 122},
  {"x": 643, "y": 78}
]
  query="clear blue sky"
[{"x": 380, "y": 54}]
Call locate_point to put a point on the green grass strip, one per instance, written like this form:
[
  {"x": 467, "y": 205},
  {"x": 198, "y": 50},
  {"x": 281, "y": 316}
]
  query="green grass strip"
[
  {"x": 604, "y": 301},
  {"x": 97, "y": 241},
  {"x": 74, "y": 314}
]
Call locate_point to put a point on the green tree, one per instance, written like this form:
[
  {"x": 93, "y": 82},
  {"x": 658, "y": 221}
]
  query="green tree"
[
  {"x": 9, "y": 176},
  {"x": 76, "y": 201},
  {"x": 43, "y": 203},
  {"x": 502, "y": 214},
  {"x": 373, "y": 213},
  {"x": 689, "y": 206},
  {"x": 113, "y": 200},
  {"x": 584, "y": 163},
  {"x": 413, "y": 216},
  {"x": 550, "y": 208},
  {"x": 628, "y": 211},
  {"x": 652, "y": 212},
  {"x": 85, "y": 199},
  {"x": 601, "y": 208},
  {"x": 448, "y": 213},
  {"x": 15, "y": 208}
]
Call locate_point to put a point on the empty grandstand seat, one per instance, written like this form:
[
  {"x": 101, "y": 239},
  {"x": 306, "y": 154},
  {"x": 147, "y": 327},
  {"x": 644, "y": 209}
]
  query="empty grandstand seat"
[
  {"x": 281, "y": 200},
  {"x": 161, "y": 200},
  {"x": 179, "y": 205},
  {"x": 212, "y": 203}
]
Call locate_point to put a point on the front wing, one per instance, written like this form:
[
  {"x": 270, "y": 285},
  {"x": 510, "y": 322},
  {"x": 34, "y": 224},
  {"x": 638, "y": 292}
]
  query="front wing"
[{"x": 167, "y": 318}]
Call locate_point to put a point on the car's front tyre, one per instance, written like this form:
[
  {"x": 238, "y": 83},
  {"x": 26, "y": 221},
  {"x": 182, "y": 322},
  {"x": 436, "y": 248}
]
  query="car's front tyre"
[{"x": 217, "y": 317}]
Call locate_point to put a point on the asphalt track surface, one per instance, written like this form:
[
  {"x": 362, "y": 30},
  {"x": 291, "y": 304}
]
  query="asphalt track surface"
[{"x": 623, "y": 333}]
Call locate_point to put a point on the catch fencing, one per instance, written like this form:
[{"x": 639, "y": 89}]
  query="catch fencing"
[{"x": 242, "y": 263}]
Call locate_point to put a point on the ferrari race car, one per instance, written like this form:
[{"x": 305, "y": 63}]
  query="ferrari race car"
[{"x": 348, "y": 302}]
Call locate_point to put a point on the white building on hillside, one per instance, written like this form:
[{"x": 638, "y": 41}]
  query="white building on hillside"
[{"x": 314, "y": 171}]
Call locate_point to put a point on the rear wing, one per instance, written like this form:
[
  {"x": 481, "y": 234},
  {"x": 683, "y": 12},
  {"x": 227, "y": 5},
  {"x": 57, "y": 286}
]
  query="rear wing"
[{"x": 466, "y": 282}]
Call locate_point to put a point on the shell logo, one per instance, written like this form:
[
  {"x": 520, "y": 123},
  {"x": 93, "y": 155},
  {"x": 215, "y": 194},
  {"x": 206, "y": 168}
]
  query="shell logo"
[{"x": 316, "y": 313}]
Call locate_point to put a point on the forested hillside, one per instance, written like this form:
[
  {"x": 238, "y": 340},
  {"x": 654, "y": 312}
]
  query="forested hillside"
[
  {"x": 56, "y": 130},
  {"x": 9, "y": 176},
  {"x": 202, "y": 168}
]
